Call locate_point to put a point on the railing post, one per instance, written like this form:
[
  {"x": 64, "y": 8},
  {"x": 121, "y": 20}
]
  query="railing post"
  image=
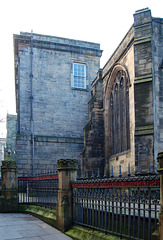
[
  {"x": 160, "y": 170},
  {"x": 67, "y": 172},
  {"x": 9, "y": 196}
]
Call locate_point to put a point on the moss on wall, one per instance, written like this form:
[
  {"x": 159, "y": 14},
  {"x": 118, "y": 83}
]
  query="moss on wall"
[{"x": 81, "y": 233}]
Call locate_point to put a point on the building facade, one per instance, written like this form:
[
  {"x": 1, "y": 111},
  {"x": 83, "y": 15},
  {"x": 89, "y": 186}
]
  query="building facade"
[
  {"x": 53, "y": 79},
  {"x": 125, "y": 128}
]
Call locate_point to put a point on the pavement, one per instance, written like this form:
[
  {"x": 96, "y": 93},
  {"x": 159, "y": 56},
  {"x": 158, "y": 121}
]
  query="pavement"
[{"x": 23, "y": 226}]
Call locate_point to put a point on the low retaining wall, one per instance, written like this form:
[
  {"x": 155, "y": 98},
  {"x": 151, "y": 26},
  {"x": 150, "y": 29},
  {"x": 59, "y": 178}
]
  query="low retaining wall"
[
  {"x": 81, "y": 233},
  {"x": 44, "y": 214}
]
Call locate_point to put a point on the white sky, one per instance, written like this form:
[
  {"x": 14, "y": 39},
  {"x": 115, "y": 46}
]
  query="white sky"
[{"x": 105, "y": 22}]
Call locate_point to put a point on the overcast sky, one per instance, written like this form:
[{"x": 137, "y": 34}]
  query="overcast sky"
[{"x": 101, "y": 21}]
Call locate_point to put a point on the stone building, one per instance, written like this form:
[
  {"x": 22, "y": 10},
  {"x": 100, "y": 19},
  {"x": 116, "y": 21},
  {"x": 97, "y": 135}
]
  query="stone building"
[
  {"x": 125, "y": 125},
  {"x": 53, "y": 79}
]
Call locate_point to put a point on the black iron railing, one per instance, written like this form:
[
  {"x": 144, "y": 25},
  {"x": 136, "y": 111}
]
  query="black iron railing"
[
  {"x": 126, "y": 207},
  {"x": 40, "y": 190}
]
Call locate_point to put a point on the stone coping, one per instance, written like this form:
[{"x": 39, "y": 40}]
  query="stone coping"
[{"x": 65, "y": 164}]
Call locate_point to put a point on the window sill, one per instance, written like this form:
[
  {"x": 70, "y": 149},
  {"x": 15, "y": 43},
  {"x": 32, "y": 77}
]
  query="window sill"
[{"x": 80, "y": 89}]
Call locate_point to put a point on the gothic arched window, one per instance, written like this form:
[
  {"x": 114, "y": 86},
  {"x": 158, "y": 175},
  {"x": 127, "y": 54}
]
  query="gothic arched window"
[{"x": 119, "y": 106}]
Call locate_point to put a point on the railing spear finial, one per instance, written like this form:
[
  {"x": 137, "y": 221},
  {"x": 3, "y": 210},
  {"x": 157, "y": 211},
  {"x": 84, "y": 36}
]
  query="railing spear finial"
[
  {"x": 139, "y": 172},
  {"x": 92, "y": 174},
  {"x": 77, "y": 175},
  {"x": 112, "y": 174},
  {"x": 129, "y": 171},
  {"x": 120, "y": 173},
  {"x": 105, "y": 176},
  {"x": 81, "y": 175},
  {"x": 98, "y": 175},
  {"x": 149, "y": 172}
]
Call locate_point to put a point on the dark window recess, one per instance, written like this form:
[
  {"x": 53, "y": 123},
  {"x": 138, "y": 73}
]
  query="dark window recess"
[{"x": 119, "y": 108}]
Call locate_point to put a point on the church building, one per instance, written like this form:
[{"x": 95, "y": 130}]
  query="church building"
[
  {"x": 125, "y": 127},
  {"x": 60, "y": 90}
]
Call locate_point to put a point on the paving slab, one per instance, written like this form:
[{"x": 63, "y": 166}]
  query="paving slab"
[{"x": 23, "y": 226}]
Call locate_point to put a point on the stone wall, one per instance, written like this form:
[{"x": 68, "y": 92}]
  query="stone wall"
[
  {"x": 121, "y": 60},
  {"x": 97, "y": 144},
  {"x": 59, "y": 110},
  {"x": 157, "y": 67},
  {"x": 144, "y": 125},
  {"x": 92, "y": 156},
  {"x": 46, "y": 149},
  {"x": 139, "y": 58}
]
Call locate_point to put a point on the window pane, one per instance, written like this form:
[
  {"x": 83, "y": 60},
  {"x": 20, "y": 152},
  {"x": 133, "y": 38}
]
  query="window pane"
[{"x": 79, "y": 72}]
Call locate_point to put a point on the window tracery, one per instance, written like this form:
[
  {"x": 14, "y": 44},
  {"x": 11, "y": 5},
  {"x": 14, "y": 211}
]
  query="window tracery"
[{"x": 119, "y": 106}]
